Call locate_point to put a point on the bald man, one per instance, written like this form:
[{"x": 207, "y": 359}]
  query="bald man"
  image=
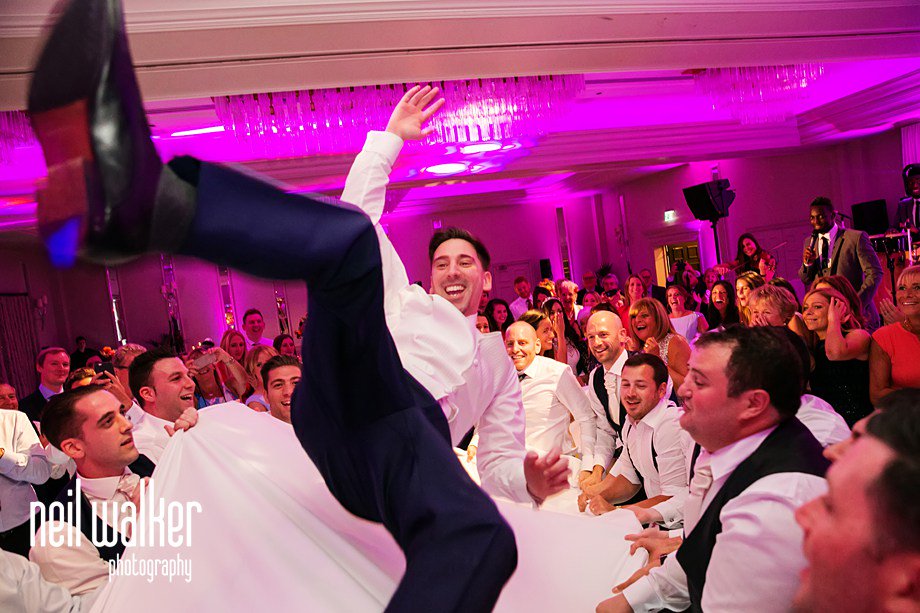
[
  {"x": 607, "y": 342},
  {"x": 551, "y": 393}
]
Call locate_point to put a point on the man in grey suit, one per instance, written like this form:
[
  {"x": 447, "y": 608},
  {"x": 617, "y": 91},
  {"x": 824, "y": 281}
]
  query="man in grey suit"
[{"x": 833, "y": 250}]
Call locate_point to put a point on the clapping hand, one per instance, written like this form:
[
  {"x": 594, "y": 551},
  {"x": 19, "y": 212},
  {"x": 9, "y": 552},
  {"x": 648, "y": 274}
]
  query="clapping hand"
[
  {"x": 413, "y": 111},
  {"x": 890, "y": 313},
  {"x": 651, "y": 346}
]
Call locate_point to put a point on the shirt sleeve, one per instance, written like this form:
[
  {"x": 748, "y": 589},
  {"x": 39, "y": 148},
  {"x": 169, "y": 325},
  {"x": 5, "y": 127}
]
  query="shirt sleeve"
[
  {"x": 21, "y": 582},
  {"x": 664, "y": 587},
  {"x": 672, "y": 472},
  {"x": 25, "y": 460},
  {"x": 569, "y": 393}
]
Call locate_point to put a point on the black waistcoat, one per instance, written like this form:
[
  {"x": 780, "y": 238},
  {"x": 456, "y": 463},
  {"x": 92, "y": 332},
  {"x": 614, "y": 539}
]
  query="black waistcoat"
[{"x": 790, "y": 448}]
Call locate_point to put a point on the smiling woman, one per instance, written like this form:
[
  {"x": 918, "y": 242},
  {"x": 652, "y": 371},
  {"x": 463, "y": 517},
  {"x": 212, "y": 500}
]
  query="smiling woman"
[
  {"x": 650, "y": 331},
  {"x": 893, "y": 362}
]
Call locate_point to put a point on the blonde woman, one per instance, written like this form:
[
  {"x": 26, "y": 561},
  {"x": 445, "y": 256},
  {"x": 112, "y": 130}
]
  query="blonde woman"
[
  {"x": 744, "y": 284},
  {"x": 840, "y": 348},
  {"x": 232, "y": 374},
  {"x": 894, "y": 356},
  {"x": 256, "y": 357},
  {"x": 650, "y": 331}
]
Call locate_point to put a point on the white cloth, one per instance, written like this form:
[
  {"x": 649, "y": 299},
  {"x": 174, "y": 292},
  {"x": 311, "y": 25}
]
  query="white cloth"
[
  {"x": 150, "y": 436},
  {"x": 303, "y": 552},
  {"x": 469, "y": 373},
  {"x": 551, "y": 394},
  {"x": 688, "y": 325},
  {"x": 23, "y": 590},
  {"x": 518, "y": 307},
  {"x": 659, "y": 428},
  {"x": 759, "y": 538},
  {"x": 23, "y": 463},
  {"x": 824, "y": 422},
  {"x": 77, "y": 564},
  {"x": 607, "y": 440}
]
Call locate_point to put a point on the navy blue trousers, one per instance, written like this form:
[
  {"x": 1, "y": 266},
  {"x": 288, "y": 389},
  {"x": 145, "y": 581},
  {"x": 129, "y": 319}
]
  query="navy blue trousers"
[{"x": 378, "y": 438}]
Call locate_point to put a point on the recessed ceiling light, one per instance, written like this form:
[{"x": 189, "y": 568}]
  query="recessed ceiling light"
[
  {"x": 450, "y": 168},
  {"x": 480, "y": 148},
  {"x": 209, "y": 130}
]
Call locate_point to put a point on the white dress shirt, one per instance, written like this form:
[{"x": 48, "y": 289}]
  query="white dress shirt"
[
  {"x": 757, "y": 558},
  {"x": 607, "y": 439},
  {"x": 150, "y": 436},
  {"x": 77, "y": 564},
  {"x": 262, "y": 341},
  {"x": 551, "y": 394},
  {"x": 23, "y": 590},
  {"x": 23, "y": 463},
  {"x": 825, "y": 423},
  {"x": 468, "y": 373},
  {"x": 659, "y": 428},
  {"x": 518, "y": 307}
]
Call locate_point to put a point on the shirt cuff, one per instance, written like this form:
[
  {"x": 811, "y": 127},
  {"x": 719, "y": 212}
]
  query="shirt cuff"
[
  {"x": 671, "y": 513},
  {"x": 385, "y": 144},
  {"x": 641, "y": 596},
  {"x": 11, "y": 460}
]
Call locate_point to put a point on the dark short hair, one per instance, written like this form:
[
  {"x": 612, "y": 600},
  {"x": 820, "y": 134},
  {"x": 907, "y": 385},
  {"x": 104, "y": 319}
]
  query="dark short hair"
[
  {"x": 542, "y": 291},
  {"x": 44, "y": 353},
  {"x": 445, "y": 234},
  {"x": 761, "y": 358},
  {"x": 521, "y": 279},
  {"x": 895, "y": 491},
  {"x": 60, "y": 419},
  {"x": 252, "y": 312},
  {"x": 80, "y": 338},
  {"x": 274, "y": 362},
  {"x": 142, "y": 366},
  {"x": 659, "y": 370},
  {"x": 822, "y": 201}
]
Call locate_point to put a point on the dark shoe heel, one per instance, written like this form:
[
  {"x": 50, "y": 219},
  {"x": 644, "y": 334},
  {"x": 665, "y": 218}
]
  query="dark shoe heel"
[{"x": 64, "y": 200}]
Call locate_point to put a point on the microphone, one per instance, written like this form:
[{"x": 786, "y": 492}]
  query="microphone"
[{"x": 814, "y": 239}]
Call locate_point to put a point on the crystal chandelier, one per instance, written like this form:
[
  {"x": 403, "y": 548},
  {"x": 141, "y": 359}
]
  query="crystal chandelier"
[
  {"x": 15, "y": 131},
  {"x": 337, "y": 120},
  {"x": 758, "y": 94}
]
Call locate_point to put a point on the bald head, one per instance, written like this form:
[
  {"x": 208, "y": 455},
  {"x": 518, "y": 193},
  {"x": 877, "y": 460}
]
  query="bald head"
[
  {"x": 606, "y": 337},
  {"x": 522, "y": 344}
]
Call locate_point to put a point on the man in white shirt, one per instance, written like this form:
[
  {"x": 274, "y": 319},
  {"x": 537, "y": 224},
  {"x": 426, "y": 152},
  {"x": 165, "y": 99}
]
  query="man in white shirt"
[
  {"x": 652, "y": 469},
  {"x": 552, "y": 397},
  {"x": 162, "y": 386},
  {"x": 22, "y": 464},
  {"x": 757, "y": 464},
  {"x": 89, "y": 425},
  {"x": 862, "y": 539},
  {"x": 280, "y": 376},
  {"x": 253, "y": 327},
  {"x": 606, "y": 341},
  {"x": 467, "y": 372},
  {"x": 524, "y": 301}
]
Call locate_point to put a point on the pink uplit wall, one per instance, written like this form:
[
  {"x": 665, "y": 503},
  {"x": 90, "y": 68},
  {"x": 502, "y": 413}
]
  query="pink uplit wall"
[{"x": 773, "y": 193}]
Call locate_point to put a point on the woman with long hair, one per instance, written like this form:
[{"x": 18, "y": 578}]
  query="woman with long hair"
[
  {"x": 285, "y": 344},
  {"x": 751, "y": 257},
  {"x": 843, "y": 285},
  {"x": 256, "y": 357},
  {"x": 635, "y": 291},
  {"x": 210, "y": 387},
  {"x": 722, "y": 310},
  {"x": 743, "y": 285},
  {"x": 566, "y": 338},
  {"x": 231, "y": 374},
  {"x": 590, "y": 300},
  {"x": 686, "y": 322},
  {"x": 894, "y": 355},
  {"x": 499, "y": 315},
  {"x": 650, "y": 331},
  {"x": 840, "y": 348}
]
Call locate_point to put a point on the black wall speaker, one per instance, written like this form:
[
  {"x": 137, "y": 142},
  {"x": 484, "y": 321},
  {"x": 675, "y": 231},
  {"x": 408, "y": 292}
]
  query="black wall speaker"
[
  {"x": 546, "y": 269},
  {"x": 709, "y": 201},
  {"x": 871, "y": 217}
]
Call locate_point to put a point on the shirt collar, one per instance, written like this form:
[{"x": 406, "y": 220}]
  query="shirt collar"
[
  {"x": 727, "y": 459},
  {"x": 654, "y": 417},
  {"x": 534, "y": 369},
  {"x": 831, "y": 233},
  {"x": 154, "y": 421},
  {"x": 103, "y": 488},
  {"x": 47, "y": 392},
  {"x": 617, "y": 366}
]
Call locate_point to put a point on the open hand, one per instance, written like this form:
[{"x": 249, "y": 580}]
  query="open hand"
[
  {"x": 547, "y": 475},
  {"x": 413, "y": 111}
]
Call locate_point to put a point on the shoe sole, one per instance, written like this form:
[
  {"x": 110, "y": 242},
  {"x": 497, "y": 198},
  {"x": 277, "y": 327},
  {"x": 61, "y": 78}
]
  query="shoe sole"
[{"x": 64, "y": 197}]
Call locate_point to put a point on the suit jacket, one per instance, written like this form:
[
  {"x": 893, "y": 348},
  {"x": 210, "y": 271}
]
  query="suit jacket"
[
  {"x": 853, "y": 257},
  {"x": 905, "y": 212},
  {"x": 32, "y": 405}
]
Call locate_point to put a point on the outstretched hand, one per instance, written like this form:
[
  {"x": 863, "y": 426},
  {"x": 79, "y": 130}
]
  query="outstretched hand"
[
  {"x": 545, "y": 476},
  {"x": 413, "y": 111}
]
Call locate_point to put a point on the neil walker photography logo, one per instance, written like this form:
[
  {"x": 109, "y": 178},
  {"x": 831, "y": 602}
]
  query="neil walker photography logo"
[{"x": 123, "y": 527}]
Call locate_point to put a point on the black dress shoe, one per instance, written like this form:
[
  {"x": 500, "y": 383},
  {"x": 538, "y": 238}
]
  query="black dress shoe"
[{"x": 104, "y": 175}]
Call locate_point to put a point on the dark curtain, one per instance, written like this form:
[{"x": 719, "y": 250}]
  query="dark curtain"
[{"x": 18, "y": 344}]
